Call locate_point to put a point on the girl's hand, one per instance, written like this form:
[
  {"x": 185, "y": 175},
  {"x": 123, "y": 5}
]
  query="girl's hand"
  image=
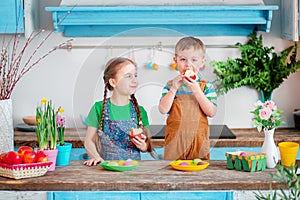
[
  {"x": 93, "y": 162},
  {"x": 140, "y": 142}
]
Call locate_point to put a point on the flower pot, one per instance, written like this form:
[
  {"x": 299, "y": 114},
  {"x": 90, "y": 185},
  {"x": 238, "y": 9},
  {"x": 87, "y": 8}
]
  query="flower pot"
[
  {"x": 6, "y": 126},
  {"x": 64, "y": 153},
  {"x": 270, "y": 149},
  {"x": 288, "y": 153},
  {"x": 52, "y": 155}
]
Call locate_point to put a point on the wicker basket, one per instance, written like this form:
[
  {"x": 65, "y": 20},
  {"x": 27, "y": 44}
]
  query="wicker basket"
[
  {"x": 24, "y": 170},
  {"x": 251, "y": 162}
]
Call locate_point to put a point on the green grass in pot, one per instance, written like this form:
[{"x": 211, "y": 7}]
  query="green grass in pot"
[{"x": 46, "y": 126}]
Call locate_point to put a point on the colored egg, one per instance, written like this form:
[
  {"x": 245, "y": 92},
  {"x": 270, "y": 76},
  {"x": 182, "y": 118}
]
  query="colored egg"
[
  {"x": 173, "y": 66},
  {"x": 155, "y": 66},
  {"x": 113, "y": 163},
  {"x": 243, "y": 154},
  {"x": 184, "y": 164},
  {"x": 201, "y": 163},
  {"x": 128, "y": 163},
  {"x": 196, "y": 161},
  {"x": 121, "y": 162},
  {"x": 150, "y": 65}
]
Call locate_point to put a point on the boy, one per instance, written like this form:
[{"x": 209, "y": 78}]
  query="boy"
[{"x": 188, "y": 101}]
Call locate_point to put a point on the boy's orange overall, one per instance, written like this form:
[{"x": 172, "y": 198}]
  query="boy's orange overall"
[{"x": 187, "y": 130}]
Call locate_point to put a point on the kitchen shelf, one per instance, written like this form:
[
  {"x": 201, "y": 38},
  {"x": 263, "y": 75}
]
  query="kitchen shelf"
[{"x": 106, "y": 21}]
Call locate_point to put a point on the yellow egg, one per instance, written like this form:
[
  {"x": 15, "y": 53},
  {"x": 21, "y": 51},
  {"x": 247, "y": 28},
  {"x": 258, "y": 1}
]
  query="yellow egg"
[
  {"x": 121, "y": 162},
  {"x": 155, "y": 66},
  {"x": 174, "y": 66}
]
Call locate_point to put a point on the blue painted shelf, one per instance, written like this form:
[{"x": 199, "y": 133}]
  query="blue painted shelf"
[
  {"x": 105, "y": 21},
  {"x": 12, "y": 16}
]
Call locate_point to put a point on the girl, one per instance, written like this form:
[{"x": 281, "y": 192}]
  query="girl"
[{"x": 109, "y": 121}]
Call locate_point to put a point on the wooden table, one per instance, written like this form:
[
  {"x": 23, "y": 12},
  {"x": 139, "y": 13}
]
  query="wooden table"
[
  {"x": 149, "y": 176},
  {"x": 244, "y": 138}
]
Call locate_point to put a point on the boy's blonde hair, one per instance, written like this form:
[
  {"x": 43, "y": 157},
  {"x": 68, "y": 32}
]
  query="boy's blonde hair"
[{"x": 188, "y": 42}]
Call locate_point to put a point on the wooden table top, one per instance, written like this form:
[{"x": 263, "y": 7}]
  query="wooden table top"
[
  {"x": 248, "y": 137},
  {"x": 148, "y": 176}
]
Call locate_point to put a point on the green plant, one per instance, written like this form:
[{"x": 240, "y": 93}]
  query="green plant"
[
  {"x": 289, "y": 177},
  {"x": 259, "y": 67},
  {"x": 61, "y": 122},
  {"x": 46, "y": 125}
]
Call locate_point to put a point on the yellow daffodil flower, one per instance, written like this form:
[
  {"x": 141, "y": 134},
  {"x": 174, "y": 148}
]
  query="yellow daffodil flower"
[
  {"x": 44, "y": 101},
  {"x": 60, "y": 109}
]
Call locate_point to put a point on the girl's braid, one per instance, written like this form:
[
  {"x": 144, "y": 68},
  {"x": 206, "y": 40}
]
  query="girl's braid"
[
  {"x": 103, "y": 106},
  {"x": 137, "y": 109},
  {"x": 145, "y": 130}
]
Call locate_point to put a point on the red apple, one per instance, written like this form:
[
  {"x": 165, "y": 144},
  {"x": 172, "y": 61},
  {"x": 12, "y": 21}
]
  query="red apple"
[
  {"x": 2, "y": 158},
  {"x": 41, "y": 156},
  {"x": 22, "y": 149},
  {"x": 29, "y": 157},
  {"x": 13, "y": 158},
  {"x": 189, "y": 74}
]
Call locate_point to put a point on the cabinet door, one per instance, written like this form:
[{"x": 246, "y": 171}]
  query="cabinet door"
[
  {"x": 289, "y": 19},
  {"x": 11, "y": 16}
]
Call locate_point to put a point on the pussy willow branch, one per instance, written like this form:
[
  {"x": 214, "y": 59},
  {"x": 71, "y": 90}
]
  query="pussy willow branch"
[{"x": 11, "y": 67}]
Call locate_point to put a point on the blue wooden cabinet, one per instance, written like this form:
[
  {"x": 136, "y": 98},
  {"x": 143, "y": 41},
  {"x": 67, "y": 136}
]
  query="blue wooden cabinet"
[
  {"x": 141, "y": 195},
  {"x": 290, "y": 24},
  {"x": 11, "y": 16},
  {"x": 105, "y": 21}
]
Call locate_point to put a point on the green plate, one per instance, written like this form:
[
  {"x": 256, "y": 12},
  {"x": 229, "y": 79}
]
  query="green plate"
[{"x": 119, "y": 168}]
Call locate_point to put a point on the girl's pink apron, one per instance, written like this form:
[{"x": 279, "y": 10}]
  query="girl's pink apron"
[{"x": 187, "y": 131}]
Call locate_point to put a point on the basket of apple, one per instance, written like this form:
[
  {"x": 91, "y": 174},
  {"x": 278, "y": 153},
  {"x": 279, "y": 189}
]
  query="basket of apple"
[{"x": 24, "y": 163}]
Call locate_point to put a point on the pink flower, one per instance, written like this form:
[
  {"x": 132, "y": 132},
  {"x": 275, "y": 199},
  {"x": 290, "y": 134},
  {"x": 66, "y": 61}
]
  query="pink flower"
[
  {"x": 60, "y": 120},
  {"x": 257, "y": 104},
  {"x": 272, "y": 120},
  {"x": 265, "y": 113},
  {"x": 270, "y": 104}
]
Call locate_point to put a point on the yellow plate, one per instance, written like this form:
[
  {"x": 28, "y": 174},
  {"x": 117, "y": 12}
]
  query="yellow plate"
[{"x": 190, "y": 167}]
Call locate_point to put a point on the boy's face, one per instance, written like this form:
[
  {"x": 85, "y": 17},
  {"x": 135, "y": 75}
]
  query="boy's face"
[{"x": 189, "y": 59}]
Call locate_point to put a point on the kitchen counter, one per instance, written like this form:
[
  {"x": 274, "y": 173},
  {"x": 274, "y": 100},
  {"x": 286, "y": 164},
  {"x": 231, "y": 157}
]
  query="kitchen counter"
[
  {"x": 244, "y": 137},
  {"x": 148, "y": 176}
]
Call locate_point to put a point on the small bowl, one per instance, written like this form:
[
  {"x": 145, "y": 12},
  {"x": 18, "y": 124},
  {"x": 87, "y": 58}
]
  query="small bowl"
[{"x": 30, "y": 120}]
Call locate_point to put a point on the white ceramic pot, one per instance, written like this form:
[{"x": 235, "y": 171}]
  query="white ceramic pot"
[
  {"x": 270, "y": 149},
  {"x": 6, "y": 126}
]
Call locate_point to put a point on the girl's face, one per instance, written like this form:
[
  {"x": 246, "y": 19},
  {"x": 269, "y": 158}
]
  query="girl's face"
[
  {"x": 125, "y": 82},
  {"x": 189, "y": 59}
]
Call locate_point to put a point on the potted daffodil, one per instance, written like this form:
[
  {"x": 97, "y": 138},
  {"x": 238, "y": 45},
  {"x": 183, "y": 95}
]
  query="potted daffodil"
[{"x": 46, "y": 130}]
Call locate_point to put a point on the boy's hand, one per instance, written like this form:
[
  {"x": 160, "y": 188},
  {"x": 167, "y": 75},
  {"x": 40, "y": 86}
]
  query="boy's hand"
[
  {"x": 177, "y": 81},
  {"x": 192, "y": 85}
]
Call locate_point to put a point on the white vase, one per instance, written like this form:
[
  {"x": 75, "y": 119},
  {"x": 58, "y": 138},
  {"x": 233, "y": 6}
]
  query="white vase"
[
  {"x": 270, "y": 149},
  {"x": 6, "y": 126}
]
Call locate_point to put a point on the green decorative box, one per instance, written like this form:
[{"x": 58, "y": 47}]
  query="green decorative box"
[{"x": 247, "y": 161}]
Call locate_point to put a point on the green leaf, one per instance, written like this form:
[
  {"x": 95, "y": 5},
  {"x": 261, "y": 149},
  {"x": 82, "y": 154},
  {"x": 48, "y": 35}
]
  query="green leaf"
[{"x": 259, "y": 67}]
